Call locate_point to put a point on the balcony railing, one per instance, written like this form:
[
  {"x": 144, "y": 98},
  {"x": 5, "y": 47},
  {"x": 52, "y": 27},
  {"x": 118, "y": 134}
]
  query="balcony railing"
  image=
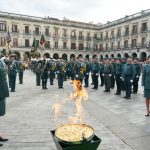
[
  {"x": 118, "y": 36},
  {"x": 73, "y": 37},
  {"x": 134, "y": 33},
  {"x": 65, "y": 36},
  {"x": 47, "y": 34},
  {"x": 36, "y": 33},
  {"x": 126, "y": 34},
  {"x": 15, "y": 31},
  {"x": 96, "y": 39},
  {"x": 81, "y": 38},
  {"x": 27, "y": 33},
  {"x": 88, "y": 38},
  {"x": 144, "y": 30}
]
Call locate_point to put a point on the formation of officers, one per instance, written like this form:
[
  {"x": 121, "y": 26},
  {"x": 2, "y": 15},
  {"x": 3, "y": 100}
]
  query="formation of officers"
[
  {"x": 13, "y": 67},
  {"x": 123, "y": 72}
]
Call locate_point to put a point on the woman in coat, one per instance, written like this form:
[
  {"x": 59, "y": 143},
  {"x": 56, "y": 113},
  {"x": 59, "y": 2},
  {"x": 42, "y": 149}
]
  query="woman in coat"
[
  {"x": 146, "y": 84},
  {"x": 4, "y": 92}
]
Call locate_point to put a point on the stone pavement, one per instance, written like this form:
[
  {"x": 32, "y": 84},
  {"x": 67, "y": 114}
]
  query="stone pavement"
[{"x": 120, "y": 123}]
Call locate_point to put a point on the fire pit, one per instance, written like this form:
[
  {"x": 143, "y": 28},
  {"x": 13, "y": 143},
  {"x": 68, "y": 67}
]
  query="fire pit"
[{"x": 85, "y": 145}]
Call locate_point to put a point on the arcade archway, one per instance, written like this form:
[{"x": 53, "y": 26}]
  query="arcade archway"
[
  {"x": 64, "y": 57},
  {"x": 143, "y": 56},
  {"x": 47, "y": 55},
  {"x": 134, "y": 55},
  {"x": 56, "y": 56},
  {"x": 72, "y": 56}
]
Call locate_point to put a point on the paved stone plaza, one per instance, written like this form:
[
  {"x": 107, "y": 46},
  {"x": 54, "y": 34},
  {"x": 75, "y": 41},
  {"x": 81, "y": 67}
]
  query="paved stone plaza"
[{"x": 120, "y": 123}]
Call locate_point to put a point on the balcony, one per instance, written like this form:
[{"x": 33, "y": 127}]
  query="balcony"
[
  {"x": 27, "y": 33},
  {"x": 36, "y": 33},
  {"x": 65, "y": 37},
  {"x": 118, "y": 36},
  {"x": 106, "y": 38},
  {"x": 134, "y": 33},
  {"x": 73, "y": 37},
  {"x": 15, "y": 32},
  {"x": 112, "y": 37},
  {"x": 56, "y": 36},
  {"x": 96, "y": 39},
  {"x": 88, "y": 39},
  {"x": 81, "y": 38},
  {"x": 145, "y": 30},
  {"x": 126, "y": 34},
  {"x": 3, "y": 31},
  {"x": 47, "y": 34}
]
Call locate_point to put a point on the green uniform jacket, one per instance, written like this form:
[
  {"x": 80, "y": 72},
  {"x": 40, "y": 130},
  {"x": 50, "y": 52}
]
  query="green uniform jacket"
[
  {"x": 4, "y": 92},
  {"x": 146, "y": 77}
]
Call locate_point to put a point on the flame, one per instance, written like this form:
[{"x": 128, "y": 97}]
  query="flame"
[{"x": 78, "y": 95}]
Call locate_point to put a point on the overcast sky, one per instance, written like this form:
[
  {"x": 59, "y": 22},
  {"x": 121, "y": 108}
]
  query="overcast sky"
[{"x": 80, "y": 10}]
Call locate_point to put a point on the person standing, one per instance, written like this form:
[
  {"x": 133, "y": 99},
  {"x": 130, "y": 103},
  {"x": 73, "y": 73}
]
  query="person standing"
[
  {"x": 87, "y": 72},
  {"x": 52, "y": 69},
  {"x": 12, "y": 72},
  {"x": 128, "y": 77},
  {"x": 101, "y": 68},
  {"x": 137, "y": 75},
  {"x": 113, "y": 73},
  {"x": 21, "y": 69},
  {"x": 146, "y": 84},
  {"x": 38, "y": 74},
  {"x": 118, "y": 75},
  {"x": 4, "y": 92},
  {"x": 95, "y": 72},
  {"x": 108, "y": 71}
]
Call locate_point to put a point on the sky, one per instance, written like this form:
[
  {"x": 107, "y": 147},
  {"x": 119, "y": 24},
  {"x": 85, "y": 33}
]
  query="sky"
[{"x": 96, "y": 11}]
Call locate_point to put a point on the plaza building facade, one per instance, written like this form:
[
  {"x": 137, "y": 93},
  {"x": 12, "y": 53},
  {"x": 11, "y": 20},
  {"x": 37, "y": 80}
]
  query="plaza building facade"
[{"x": 128, "y": 36}]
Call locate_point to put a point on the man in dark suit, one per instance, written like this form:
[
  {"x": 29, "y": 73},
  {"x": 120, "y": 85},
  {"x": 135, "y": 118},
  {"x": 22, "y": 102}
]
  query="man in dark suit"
[{"x": 4, "y": 92}]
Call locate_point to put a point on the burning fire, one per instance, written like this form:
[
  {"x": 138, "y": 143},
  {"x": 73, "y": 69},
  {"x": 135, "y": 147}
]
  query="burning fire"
[{"x": 79, "y": 94}]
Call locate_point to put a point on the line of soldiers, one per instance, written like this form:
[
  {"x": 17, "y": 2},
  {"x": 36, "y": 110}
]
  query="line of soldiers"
[
  {"x": 122, "y": 71},
  {"x": 14, "y": 67}
]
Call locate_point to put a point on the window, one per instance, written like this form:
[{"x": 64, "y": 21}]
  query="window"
[
  {"x": 119, "y": 33},
  {"x": 118, "y": 44},
  {"x": 81, "y": 47},
  {"x": 73, "y": 45},
  {"x": 126, "y": 44},
  {"x": 88, "y": 35},
  {"x": 144, "y": 27},
  {"x": 56, "y": 45},
  {"x": 95, "y": 47},
  {"x": 80, "y": 34},
  {"x": 37, "y": 31},
  {"x": 47, "y": 32},
  {"x": 101, "y": 47},
  {"x": 3, "y": 41},
  {"x": 134, "y": 29},
  {"x": 106, "y": 46},
  {"x": 126, "y": 31},
  {"x": 143, "y": 42},
  {"x": 106, "y": 35},
  {"x": 112, "y": 46},
  {"x": 64, "y": 45},
  {"x": 65, "y": 33},
  {"x": 73, "y": 34},
  {"x": 112, "y": 33},
  {"x": 2, "y": 27},
  {"x": 26, "y": 29},
  {"x": 56, "y": 32},
  {"x": 134, "y": 43},
  {"x": 14, "y": 28},
  {"x": 15, "y": 42},
  {"x": 95, "y": 36},
  {"x": 27, "y": 43},
  {"x": 47, "y": 44},
  {"x": 101, "y": 36}
]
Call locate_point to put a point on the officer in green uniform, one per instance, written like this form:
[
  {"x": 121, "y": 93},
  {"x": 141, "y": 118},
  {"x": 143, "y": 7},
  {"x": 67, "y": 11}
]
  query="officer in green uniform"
[
  {"x": 124, "y": 61},
  {"x": 12, "y": 72},
  {"x": 101, "y": 68},
  {"x": 69, "y": 69},
  {"x": 72, "y": 69},
  {"x": 52, "y": 70},
  {"x": 4, "y": 92},
  {"x": 21, "y": 69},
  {"x": 128, "y": 77},
  {"x": 113, "y": 73},
  {"x": 60, "y": 73},
  {"x": 118, "y": 75},
  {"x": 137, "y": 75},
  {"x": 87, "y": 72},
  {"x": 80, "y": 69},
  {"x": 108, "y": 71},
  {"x": 44, "y": 73},
  {"x": 38, "y": 73},
  {"x": 95, "y": 72}
]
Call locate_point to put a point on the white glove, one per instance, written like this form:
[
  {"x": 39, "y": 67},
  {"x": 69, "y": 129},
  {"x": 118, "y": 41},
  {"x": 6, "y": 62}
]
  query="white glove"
[
  {"x": 102, "y": 74},
  {"x": 57, "y": 71},
  {"x": 137, "y": 76},
  {"x": 76, "y": 76},
  {"x": 87, "y": 74},
  {"x": 97, "y": 74},
  {"x": 122, "y": 79},
  {"x": 109, "y": 75},
  {"x": 131, "y": 81}
]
